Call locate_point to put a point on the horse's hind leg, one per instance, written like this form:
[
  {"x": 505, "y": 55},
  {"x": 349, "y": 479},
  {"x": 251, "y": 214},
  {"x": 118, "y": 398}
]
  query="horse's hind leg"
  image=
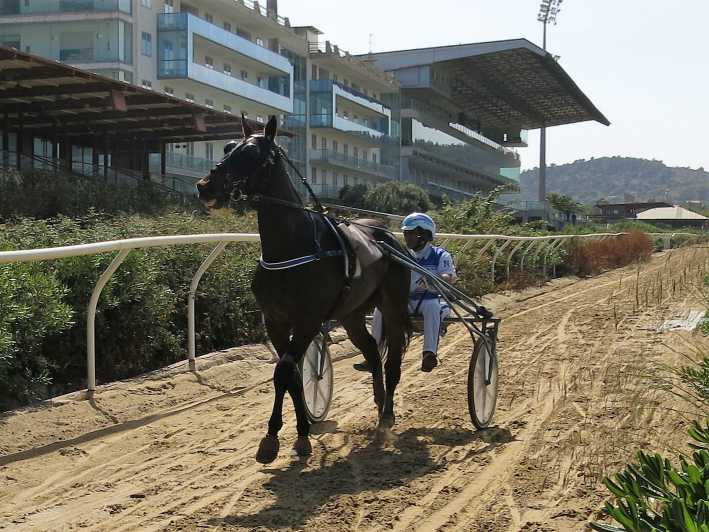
[
  {"x": 362, "y": 340},
  {"x": 279, "y": 334},
  {"x": 394, "y": 307}
]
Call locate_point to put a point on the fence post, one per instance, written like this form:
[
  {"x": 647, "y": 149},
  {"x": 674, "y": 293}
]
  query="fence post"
[
  {"x": 91, "y": 319},
  {"x": 494, "y": 258},
  {"x": 509, "y": 257},
  {"x": 191, "y": 345}
]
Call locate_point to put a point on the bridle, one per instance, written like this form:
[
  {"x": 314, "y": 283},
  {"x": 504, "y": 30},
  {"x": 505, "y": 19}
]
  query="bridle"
[{"x": 234, "y": 187}]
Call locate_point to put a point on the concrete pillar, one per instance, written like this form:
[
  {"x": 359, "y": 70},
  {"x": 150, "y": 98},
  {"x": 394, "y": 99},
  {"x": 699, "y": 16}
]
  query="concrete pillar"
[{"x": 163, "y": 160}]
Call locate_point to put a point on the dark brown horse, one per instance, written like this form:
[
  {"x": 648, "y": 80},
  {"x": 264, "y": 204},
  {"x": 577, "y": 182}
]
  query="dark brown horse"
[{"x": 297, "y": 297}]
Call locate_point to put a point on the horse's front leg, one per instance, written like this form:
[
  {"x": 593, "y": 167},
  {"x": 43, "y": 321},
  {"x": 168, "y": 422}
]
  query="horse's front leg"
[
  {"x": 302, "y": 338},
  {"x": 268, "y": 448}
]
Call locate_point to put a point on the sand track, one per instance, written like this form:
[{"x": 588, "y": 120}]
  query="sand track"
[{"x": 175, "y": 451}]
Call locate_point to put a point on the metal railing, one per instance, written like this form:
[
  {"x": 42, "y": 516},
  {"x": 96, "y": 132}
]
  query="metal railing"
[
  {"x": 124, "y": 247},
  {"x": 97, "y": 173},
  {"x": 354, "y": 163}
]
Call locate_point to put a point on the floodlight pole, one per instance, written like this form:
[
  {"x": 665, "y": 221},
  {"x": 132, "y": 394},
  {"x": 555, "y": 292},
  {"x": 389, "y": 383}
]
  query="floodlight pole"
[{"x": 543, "y": 136}]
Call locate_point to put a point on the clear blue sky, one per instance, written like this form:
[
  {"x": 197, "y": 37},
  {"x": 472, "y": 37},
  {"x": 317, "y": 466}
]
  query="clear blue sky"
[{"x": 642, "y": 62}]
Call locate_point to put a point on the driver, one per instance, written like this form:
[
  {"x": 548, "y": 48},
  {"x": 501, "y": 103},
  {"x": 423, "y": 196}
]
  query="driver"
[{"x": 424, "y": 300}]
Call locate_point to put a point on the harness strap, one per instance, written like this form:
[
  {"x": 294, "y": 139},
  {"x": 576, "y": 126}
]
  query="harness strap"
[
  {"x": 292, "y": 263},
  {"x": 318, "y": 205}
]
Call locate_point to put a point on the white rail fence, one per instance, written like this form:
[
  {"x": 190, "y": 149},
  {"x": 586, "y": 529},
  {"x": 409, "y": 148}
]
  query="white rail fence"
[{"x": 124, "y": 247}]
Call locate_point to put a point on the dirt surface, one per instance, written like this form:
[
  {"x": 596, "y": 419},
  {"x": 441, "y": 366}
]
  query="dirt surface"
[{"x": 175, "y": 450}]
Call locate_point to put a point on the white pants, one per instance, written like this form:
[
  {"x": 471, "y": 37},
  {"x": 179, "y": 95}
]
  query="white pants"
[{"x": 433, "y": 312}]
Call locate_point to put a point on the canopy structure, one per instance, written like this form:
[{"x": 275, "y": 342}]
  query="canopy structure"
[
  {"x": 48, "y": 99},
  {"x": 670, "y": 213},
  {"x": 498, "y": 86}
]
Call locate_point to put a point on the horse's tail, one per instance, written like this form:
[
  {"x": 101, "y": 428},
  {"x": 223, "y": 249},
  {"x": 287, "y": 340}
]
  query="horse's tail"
[{"x": 398, "y": 283}]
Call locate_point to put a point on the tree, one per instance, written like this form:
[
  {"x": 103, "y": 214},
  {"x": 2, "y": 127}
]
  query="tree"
[
  {"x": 353, "y": 196},
  {"x": 564, "y": 204},
  {"x": 396, "y": 197}
]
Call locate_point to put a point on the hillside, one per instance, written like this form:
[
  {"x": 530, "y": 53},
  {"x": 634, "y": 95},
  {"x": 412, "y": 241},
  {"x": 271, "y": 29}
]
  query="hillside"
[{"x": 621, "y": 179}]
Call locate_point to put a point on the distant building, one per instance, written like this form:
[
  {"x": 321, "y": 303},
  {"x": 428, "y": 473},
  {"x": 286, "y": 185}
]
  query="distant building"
[
  {"x": 610, "y": 212},
  {"x": 674, "y": 216}
]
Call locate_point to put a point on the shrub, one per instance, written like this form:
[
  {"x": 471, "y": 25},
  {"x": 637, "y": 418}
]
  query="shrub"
[
  {"x": 354, "y": 196},
  {"x": 39, "y": 193},
  {"x": 591, "y": 257},
  {"x": 31, "y": 308},
  {"x": 397, "y": 197},
  {"x": 141, "y": 320},
  {"x": 653, "y": 494}
]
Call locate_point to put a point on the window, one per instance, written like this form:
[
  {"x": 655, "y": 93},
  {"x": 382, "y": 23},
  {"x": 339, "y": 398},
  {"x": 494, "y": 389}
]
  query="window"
[
  {"x": 334, "y": 146},
  {"x": 146, "y": 84},
  {"x": 169, "y": 6},
  {"x": 209, "y": 150},
  {"x": 323, "y": 143},
  {"x": 146, "y": 44},
  {"x": 346, "y": 150},
  {"x": 344, "y": 180},
  {"x": 314, "y": 72},
  {"x": 209, "y": 103},
  {"x": 314, "y": 142},
  {"x": 227, "y": 108},
  {"x": 146, "y": 3},
  {"x": 209, "y": 18},
  {"x": 227, "y": 69},
  {"x": 169, "y": 90},
  {"x": 259, "y": 41},
  {"x": 209, "y": 62},
  {"x": 314, "y": 178},
  {"x": 374, "y": 157},
  {"x": 244, "y": 74},
  {"x": 189, "y": 97},
  {"x": 227, "y": 26}
]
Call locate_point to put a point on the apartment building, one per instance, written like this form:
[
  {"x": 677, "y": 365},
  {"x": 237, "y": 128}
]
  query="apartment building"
[
  {"x": 353, "y": 134},
  {"x": 446, "y": 118},
  {"x": 234, "y": 56}
]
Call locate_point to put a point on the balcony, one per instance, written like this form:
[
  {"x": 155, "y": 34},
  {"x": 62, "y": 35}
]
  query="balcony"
[
  {"x": 46, "y": 7},
  {"x": 359, "y": 165},
  {"x": 180, "y": 35},
  {"x": 354, "y": 112}
]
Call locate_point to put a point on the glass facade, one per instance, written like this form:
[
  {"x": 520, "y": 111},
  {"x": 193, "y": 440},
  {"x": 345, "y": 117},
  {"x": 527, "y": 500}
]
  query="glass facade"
[
  {"x": 353, "y": 111},
  {"x": 172, "y": 45},
  {"x": 73, "y": 42},
  {"x": 41, "y": 7},
  {"x": 296, "y": 146}
]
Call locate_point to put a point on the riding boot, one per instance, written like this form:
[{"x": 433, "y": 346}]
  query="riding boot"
[{"x": 429, "y": 361}]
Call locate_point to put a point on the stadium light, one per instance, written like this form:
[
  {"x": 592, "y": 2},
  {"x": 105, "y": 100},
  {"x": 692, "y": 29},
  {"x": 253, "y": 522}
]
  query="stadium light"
[{"x": 548, "y": 12}]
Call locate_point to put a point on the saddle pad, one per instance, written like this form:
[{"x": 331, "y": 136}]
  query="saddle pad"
[{"x": 365, "y": 249}]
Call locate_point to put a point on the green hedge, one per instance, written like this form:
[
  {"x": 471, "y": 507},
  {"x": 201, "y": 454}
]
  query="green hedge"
[{"x": 141, "y": 320}]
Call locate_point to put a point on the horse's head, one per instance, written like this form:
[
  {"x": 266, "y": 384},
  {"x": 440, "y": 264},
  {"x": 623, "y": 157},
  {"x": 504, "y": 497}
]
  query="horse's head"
[{"x": 242, "y": 168}]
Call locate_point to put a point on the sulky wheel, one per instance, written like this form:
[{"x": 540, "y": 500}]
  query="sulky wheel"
[
  {"x": 316, "y": 374},
  {"x": 482, "y": 382}
]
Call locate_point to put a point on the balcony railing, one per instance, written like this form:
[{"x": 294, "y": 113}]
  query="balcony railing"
[
  {"x": 189, "y": 162},
  {"x": 43, "y": 7},
  {"x": 353, "y": 163}
]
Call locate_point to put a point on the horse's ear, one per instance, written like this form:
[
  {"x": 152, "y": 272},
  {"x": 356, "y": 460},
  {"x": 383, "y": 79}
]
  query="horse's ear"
[
  {"x": 271, "y": 128},
  {"x": 245, "y": 127}
]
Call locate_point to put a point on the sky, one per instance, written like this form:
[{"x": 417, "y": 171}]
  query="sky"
[{"x": 643, "y": 63}]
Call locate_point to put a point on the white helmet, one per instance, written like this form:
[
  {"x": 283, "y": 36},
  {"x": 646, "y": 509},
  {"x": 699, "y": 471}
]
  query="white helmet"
[{"x": 419, "y": 219}]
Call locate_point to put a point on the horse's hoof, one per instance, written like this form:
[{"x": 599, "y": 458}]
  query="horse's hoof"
[
  {"x": 386, "y": 421},
  {"x": 302, "y": 446},
  {"x": 267, "y": 449}
]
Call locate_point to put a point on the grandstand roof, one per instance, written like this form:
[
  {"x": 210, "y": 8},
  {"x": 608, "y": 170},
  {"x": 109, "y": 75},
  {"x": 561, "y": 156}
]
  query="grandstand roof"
[
  {"x": 502, "y": 84},
  {"x": 49, "y": 98}
]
